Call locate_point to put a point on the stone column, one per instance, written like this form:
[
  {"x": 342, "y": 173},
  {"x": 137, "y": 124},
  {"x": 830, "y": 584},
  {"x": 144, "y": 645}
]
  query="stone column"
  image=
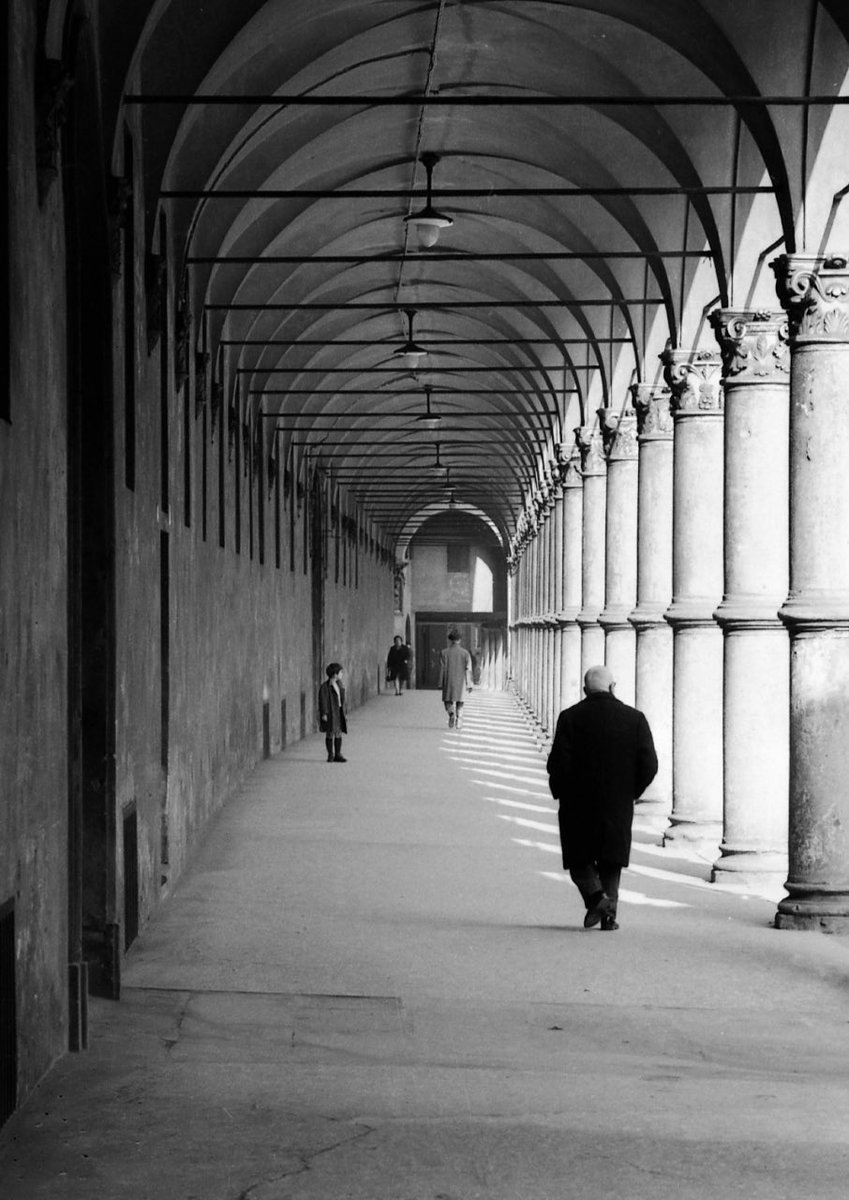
[
  {"x": 756, "y": 379},
  {"x": 815, "y": 293},
  {"x": 619, "y": 431},
  {"x": 594, "y": 469},
  {"x": 696, "y": 820},
  {"x": 654, "y": 592},
  {"x": 547, "y": 636},
  {"x": 557, "y": 598},
  {"x": 573, "y": 521}
]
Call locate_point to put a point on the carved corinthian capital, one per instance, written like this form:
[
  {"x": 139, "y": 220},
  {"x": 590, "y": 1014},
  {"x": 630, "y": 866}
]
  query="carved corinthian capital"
[
  {"x": 619, "y": 433},
  {"x": 569, "y": 461},
  {"x": 654, "y": 418},
  {"x": 591, "y": 448},
  {"x": 694, "y": 377},
  {"x": 754, "y": 346},
  {"x": 815, "y": 293}
]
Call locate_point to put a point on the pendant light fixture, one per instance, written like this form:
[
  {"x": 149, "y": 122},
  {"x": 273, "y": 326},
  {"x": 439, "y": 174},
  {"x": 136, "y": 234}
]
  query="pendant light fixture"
[
  {"x": 438, "y": 468},
  {"x": 428, "y": 221},
  {"x": 428, "y": 419},
  {"x": 410, "y": 352}
]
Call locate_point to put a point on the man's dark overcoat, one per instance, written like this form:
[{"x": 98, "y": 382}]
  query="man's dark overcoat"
[{"x": 601, "y": 761}]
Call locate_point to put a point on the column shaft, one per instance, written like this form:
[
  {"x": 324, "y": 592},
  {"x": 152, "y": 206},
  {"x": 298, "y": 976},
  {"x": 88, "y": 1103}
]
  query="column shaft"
[
  {"x": 654, "y": 592},
  {"x": 570, "y": 630},
  {"x": 756, "y": 364},
  {"x": 694, "y": 377},
  {"x": 619, "y": 430},
  {"x": 557, "y": 605},
  {"x": 814, "y": 292},
  {"x": 594, "y": 466}
]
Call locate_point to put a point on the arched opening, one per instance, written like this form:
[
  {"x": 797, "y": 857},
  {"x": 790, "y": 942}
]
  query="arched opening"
[{"x": 457, "y": 579}]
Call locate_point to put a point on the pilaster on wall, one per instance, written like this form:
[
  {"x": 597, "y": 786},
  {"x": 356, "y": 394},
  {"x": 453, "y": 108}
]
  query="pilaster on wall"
[
  {"x": 654, "y": 590},
  {"x": 594, "y": 471},
  {"x": 697, "y": 406},
  {"x": 756, "y": 367},
  {"x": 815, "y": 293},
  {"x": 619, "y": 432}
]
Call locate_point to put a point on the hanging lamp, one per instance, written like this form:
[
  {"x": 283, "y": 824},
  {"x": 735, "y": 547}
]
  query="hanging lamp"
[
  {"x": 410, "y": 351},
  {"x": 428, "y": 221},
  {"x": 428, "y": 419}
]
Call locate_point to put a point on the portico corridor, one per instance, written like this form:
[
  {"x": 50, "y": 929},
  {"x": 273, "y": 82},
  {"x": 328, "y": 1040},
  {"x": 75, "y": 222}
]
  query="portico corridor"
[{"x": 372, "y": 982}]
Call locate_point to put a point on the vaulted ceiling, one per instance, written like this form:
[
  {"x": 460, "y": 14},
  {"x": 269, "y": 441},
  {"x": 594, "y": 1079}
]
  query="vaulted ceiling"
[{"x": 611, "y": 169}]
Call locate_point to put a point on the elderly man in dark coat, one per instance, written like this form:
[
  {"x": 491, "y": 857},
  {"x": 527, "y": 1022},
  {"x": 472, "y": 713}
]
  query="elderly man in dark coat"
[{"x": 601, "y": 761}]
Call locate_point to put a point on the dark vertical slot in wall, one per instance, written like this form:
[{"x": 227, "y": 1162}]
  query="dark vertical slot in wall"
[
  {"x": 8, "y": 1013},
  {"x": 129, "y": 295},
  {"x": 222, "y": 473},
  {"x": 164, "y": 648},
  {"x": 307, "y": 529},
  {"x": 237, "y": 474},
  {"x": 277, "y": 511},
  {"x": 250, "y": 474},
  {"x": 164, "y": 373},
  {"x": 5, "y": 231},
  {"x": 93, "y": 949},
  {"x": 187, "y": 455},
  {"x": 283, "y": 724},
  {"x": 292, "y": 502},
  {"x": 315, "y": 508},
  {"x": 131, "y": 875},
  {"x": 204, "y": 475},
  {"x": 303, "y": 714},
  {"x": 260, "y": 490},
  {"x": 266, "y": 729}
]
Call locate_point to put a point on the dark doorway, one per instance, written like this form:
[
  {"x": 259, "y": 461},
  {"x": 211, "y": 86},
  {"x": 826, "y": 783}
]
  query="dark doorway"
[{"x": 431, "y": 640}]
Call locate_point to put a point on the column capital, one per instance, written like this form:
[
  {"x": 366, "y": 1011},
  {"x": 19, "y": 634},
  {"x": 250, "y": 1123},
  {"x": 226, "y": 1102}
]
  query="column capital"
[
  {"x": 754, "y": 346},
  {"x": 814, "y": 290},
  {"x": 591, "y": 447},
  {"x": 695, "y": 380},
  {"x": 619, "y": 433},
  {"x": 569, "y": 463},
  {"x": 654, "y": 416}
]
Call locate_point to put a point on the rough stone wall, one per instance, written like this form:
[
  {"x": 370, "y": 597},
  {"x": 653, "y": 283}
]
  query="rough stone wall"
[
  {"x": 240, "y": 630},
  {"x": 33, "y": 591}
]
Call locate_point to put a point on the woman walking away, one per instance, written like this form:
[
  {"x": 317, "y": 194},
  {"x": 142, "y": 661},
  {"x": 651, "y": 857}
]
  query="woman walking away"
[
  {"x": 398, "y": 664},
  {"x": 332, "y": 718}
]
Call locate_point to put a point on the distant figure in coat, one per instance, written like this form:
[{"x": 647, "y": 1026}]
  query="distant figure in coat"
[
  {"x": 332, "y": 717},
  {"x": 455, "y": 678},
  {"x": 398, "y": 664},
  {"x": 601, "y": 761}
]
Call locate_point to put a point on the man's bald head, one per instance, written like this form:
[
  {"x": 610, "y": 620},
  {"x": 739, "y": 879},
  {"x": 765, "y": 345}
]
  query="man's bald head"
[{"x": 598, "y": 679}]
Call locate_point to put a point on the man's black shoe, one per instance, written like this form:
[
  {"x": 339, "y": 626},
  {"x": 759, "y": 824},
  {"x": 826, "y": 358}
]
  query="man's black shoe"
[
  {"x": 339, "y": 758},
  {"x": 608, "y": 924},
  {"x": 603, "y": 907}
]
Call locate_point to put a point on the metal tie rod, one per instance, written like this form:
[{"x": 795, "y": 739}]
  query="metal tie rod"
[{"x": 475, "y": 99}]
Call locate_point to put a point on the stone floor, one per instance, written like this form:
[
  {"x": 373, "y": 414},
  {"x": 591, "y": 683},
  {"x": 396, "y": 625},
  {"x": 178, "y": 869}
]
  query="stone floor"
[{"x": 373, "y": 984}]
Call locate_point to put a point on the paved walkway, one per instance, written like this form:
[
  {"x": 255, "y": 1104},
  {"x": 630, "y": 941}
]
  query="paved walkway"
[{"x": 373, "y": 984}]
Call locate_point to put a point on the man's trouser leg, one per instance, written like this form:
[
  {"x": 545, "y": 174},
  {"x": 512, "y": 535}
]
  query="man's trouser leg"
[{"x": 591, "y": 879}]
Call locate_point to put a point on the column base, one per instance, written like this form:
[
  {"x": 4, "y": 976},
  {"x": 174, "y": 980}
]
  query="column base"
[
  {"x": 652, "y": 815},
  {"x": 763, "y": 871},
  {"x": 700, "y": 838},
  {"x": 826, "y": 913}
]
